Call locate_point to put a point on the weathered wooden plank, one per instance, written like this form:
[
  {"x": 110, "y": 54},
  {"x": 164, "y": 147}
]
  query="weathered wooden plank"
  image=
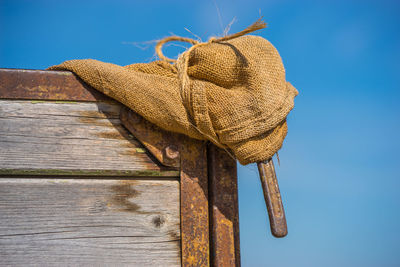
[
  {"x": 70, "y": 138},
  {"x": 53, "y": 222}
]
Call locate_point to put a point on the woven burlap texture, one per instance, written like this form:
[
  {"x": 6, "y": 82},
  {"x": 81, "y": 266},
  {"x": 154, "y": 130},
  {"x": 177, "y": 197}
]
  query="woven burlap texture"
[{"x": 236, "y": 97}]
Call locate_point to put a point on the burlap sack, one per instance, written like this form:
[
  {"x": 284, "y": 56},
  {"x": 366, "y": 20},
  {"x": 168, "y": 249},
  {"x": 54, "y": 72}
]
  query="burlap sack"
[{"x": 235, "y": 94}]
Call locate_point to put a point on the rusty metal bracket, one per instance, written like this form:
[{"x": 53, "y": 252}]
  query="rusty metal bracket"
[
  {"x": 179, "y": 151},
  {"x": 163, "y": 145},
  {"x": 209, "y": 201}
]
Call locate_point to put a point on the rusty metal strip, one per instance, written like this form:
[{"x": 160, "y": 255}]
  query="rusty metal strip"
[
  {"x": 224, "y": 221},
  {"x": 194, "y": 204},
  {"x": 163, "y": 145},
  {"x": 46, "y": 85}
]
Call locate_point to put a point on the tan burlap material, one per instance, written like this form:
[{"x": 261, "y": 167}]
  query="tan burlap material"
[{"x": 235, "y": 93}]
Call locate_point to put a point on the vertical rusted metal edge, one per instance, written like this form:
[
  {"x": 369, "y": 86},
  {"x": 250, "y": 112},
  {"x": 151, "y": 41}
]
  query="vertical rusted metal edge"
[
  {"x": 224, "y": 211},
  {"x": 46, "y": 85},
  {"x": 194, "y": 204}
]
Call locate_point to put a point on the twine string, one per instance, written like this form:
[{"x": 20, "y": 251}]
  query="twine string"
[{"x": 258, "y": 25}]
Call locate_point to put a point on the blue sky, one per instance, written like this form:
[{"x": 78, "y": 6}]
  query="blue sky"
[{"x": 340, "y": 169}]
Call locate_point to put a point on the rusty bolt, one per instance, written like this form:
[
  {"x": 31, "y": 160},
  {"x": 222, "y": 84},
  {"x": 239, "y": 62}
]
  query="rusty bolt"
[{"x": 171, "y": 152}]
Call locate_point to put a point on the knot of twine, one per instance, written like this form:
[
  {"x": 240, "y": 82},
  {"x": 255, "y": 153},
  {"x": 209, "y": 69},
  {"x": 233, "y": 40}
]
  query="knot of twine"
[{"x": 181, "y": 64}]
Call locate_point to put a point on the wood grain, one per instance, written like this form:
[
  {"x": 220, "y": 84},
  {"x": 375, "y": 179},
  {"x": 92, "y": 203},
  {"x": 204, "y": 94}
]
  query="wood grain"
[
  {"x": 95, "y": 222},
  {"x": 70, "y": 138}
]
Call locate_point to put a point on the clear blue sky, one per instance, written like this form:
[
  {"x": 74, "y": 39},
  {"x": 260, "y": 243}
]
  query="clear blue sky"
[{"x": 340, "y": 167}]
